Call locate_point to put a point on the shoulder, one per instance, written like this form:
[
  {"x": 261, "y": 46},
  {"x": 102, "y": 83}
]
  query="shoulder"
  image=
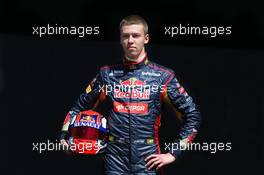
[
  {"x": 106, "y": 69},
  {"x": 160, "y": 68},
  {"x": 114, "y": 65},
  {"x": 109, "y": 67}
]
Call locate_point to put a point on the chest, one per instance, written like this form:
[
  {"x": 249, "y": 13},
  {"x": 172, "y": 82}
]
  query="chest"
[{"x": 134, "y": 85}]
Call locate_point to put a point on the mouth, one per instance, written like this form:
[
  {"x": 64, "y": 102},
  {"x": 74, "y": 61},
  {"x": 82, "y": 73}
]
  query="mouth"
[{"x": 131, "y": 48}]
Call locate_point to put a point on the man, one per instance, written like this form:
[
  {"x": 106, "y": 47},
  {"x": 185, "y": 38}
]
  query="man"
[{"x": 136, "y": 90}]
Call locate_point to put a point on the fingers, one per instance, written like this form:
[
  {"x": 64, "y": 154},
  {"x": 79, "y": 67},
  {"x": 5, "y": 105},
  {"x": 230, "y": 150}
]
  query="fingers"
[
  {"x": 65, "y": 145},
  {"x": 154, "y": 164},
  {"x": 159, "y": 166},
  {"x": 151, "y": 161},
  {"x": 154, "y": 160},
  {"x": 159, "y": 160},
  {"x": 64, "y": 142},
  {"x": 150, "y": 157},
  {"x": 66, "y": 148}
]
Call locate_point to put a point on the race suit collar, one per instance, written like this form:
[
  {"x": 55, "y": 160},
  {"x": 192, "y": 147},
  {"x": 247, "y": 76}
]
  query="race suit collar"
[{"x": 135, "y": 65}]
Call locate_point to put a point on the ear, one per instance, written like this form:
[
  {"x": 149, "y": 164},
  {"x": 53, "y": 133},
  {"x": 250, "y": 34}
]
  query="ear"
[{"x": 146, "y": 39}]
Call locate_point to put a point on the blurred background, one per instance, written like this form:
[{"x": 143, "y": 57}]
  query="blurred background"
[{"x": 41, "y": 77}]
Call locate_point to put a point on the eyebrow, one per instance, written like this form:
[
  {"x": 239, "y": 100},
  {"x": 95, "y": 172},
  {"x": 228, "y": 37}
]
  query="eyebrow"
[{"x": 133, "y": 33}]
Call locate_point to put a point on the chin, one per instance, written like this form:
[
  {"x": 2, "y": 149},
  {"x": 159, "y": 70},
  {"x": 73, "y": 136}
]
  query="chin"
[{"x": 133, "y": 54}]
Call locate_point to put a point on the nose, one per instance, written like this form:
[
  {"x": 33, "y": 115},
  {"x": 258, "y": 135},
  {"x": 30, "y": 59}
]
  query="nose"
[{"x": 130, "y": 39}]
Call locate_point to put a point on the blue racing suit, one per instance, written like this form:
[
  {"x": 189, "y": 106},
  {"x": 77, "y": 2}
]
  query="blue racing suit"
[{"x": 136, "y": 93}]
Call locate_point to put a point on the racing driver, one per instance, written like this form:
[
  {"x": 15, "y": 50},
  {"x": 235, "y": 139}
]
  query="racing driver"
[{"x": 135, "y": 90}]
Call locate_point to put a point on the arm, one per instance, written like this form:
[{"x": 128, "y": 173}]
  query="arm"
[
  {"x": 191, "y": 116},
  {"x": 186, "y": 110},
  {"x": 93, "y": 95}
]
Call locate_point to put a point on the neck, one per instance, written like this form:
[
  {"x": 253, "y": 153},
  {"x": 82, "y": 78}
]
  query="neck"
[{"x": 138, "y": 59}]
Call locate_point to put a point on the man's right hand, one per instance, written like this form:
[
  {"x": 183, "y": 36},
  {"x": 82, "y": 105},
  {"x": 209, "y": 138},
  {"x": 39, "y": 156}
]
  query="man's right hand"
[
  {"x": 64, "y": 143},
  {"x": 66, "y": 147},
  {"x": 64, "y": 136}
]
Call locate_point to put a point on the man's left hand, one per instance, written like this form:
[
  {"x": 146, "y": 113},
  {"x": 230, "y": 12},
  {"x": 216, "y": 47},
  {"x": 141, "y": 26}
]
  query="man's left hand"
[{"x": 159, "y": 160}]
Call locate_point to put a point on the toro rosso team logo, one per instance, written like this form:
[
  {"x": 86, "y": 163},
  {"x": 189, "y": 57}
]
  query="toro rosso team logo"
[{"x": 132, "y": 88}]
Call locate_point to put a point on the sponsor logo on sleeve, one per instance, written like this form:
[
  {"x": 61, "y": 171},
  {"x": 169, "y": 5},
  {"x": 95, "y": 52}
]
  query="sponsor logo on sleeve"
[
  {"x": 88, "y": 89},
  {"x": 181, "y": 90}
]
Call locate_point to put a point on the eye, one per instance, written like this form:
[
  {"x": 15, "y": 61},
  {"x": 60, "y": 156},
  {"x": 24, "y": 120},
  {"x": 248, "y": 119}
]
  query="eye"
[
  {"x": 135, "y": 35},
  {"x": 125, "y": 35}
]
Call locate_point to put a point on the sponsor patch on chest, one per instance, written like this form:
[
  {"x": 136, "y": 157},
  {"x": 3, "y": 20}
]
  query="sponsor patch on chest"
[
  {"x": 132, "y": 108},
  {"x": 153, "y": 74}
]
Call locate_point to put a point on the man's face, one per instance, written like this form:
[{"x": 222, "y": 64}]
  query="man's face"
[{"x": 133, "y": 39}]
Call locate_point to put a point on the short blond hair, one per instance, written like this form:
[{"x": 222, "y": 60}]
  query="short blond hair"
[{"x": 134, "y": 19}]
